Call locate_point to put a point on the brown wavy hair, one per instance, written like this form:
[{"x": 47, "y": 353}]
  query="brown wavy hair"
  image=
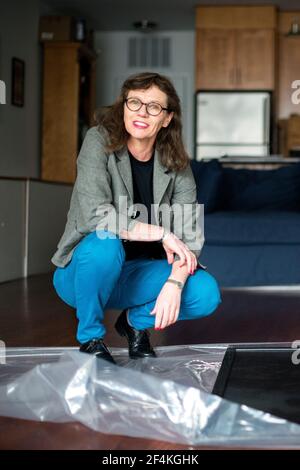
[{"x": 169, "y": 139}]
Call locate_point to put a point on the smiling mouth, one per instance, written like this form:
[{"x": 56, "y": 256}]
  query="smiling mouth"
[{"x": 140, "y": 125}]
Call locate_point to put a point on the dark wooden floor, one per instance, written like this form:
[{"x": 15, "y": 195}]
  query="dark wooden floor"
[{"x": 32, "y": 315}]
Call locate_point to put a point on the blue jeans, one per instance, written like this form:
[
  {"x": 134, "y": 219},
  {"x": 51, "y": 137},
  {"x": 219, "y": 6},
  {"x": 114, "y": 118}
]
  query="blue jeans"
[{"x": 99, "y": 278}]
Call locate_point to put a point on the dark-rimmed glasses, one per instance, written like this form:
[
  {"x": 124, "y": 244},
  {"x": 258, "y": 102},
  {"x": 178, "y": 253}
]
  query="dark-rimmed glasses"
[{"x": 135, "y": 104}]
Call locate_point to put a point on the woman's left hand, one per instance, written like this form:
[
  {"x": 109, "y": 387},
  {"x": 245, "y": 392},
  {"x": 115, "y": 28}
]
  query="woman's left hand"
[{"x": 167, "y": 306}]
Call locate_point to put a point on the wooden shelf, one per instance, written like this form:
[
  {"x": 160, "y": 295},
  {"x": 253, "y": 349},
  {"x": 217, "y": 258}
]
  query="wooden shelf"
[{"x": 68, "y": 106}]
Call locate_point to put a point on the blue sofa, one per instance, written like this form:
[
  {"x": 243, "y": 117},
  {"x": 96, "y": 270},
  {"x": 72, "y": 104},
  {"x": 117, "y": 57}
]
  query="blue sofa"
[{"x": 251, "y": 224}]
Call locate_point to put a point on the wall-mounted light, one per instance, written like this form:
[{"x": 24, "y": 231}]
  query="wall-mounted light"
[{"x": 145, "y": 26}]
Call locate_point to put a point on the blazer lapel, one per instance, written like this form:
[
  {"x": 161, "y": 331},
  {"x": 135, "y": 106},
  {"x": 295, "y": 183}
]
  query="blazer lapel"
[
  {"x": 125, "y": 170},
  {"x": 161, "y": 179}
]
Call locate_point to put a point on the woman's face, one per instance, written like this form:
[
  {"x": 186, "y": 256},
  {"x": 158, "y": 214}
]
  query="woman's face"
[{"x": 142, "y": 125}]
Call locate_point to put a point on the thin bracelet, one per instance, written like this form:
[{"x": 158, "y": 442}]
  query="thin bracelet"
[
  {"x": 164, "y": 235},
  {"x": 178, "y": 283}
]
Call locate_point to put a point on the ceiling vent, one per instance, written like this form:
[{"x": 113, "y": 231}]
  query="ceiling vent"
[{"x": 149, "y": 51}]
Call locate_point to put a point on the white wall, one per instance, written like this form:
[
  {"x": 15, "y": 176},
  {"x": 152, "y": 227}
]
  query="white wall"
[
  {"x": 12, "y": 229},
  {"x": 112, "y": 70},
  {"x": 20, "y": 127},
  {"x": 31, "y": 225},
  {"x": 48, "y": 206}
]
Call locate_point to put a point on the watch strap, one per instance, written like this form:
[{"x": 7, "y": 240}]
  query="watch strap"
[{"x": 177, "y": 283}]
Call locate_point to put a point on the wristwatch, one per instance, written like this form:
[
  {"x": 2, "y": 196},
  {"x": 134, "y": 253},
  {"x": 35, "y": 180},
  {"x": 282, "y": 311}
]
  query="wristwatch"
[{"x": 178, "y": 283}]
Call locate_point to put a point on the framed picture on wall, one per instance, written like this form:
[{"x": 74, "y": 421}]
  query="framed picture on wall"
[{"x": 18, "y": 82}]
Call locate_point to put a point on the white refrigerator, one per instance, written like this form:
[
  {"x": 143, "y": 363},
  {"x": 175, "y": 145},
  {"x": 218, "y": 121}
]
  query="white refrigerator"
[{"x": 233, "y": 123}]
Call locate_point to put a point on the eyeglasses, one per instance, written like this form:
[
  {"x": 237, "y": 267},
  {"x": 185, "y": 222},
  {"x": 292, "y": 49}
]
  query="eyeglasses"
[{"x": 135, "y": 104}]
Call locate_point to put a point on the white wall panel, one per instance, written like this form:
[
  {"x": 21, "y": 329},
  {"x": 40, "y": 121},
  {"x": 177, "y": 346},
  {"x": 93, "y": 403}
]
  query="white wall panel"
[
  {"x": 12, "y": 225},
  {"x": 47, "y": 215}
]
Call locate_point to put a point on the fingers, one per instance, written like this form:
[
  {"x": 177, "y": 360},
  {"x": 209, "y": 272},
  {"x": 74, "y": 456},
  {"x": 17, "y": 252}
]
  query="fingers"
[
  {"x": 191, "y": 261},
  {"x": 154, "y": 311},
  {"x": 188, "y": 260},
  {"x": 185, "y": 254},
  {"x": 166, "y": 316},
  {"x": 195, "y": 262},
  {"x": 165, "y": 321},
  {"x": 182, "y": 259},
  {"x": 174, "y": 315},
  {"x": 180, "y": 252},
  {"x": 170, "y": 257},
  {"x": 158, "y": 318},
  {"x": 174, "y": 245},
  {"x": 162, "y": 316}
]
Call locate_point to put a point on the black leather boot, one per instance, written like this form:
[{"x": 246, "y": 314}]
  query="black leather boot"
[
  {"x": 97, "y": 347},
  {"x": 138, "y": 340}
]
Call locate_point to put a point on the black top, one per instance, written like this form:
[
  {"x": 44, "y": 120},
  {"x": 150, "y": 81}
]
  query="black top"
[{"x": 142, "y": 179}]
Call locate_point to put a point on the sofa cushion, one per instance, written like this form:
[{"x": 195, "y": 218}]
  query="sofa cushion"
[
  {"x": 253, "y": 265},
  {"x": 208, "y": 177},
  {"x": 250, "y": 228},
  {"x": 261, "y": 189}
]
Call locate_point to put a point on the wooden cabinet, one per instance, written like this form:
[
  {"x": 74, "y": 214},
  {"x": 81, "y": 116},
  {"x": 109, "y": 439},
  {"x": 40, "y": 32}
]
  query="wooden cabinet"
[
  {"x": 236, "y": 17},
  {"x": 289, "y": 135},
  {"x": 215, "y": 59},
  {"x": 68, "y": 106},
  {"x": 234, "y": 59},
  {"x": 289, "y": 70},
  {"x": 239, "y": 56},
  {"x": 289, "y": 65},
  {"x": 255, "y": 59}
]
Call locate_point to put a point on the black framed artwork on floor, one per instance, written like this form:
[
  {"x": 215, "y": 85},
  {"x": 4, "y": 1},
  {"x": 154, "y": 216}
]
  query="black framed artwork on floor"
[{"x": 265, "y": 378}]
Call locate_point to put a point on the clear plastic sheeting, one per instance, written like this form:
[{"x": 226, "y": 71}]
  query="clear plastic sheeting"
[{"x": 165, "y": 398}]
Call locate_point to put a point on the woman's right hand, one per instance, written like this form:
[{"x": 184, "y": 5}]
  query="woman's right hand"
[{"x": 172, "y": 244}]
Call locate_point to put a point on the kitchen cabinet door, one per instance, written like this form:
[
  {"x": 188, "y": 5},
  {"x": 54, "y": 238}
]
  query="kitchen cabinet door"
[
  {"x": 215, "y": 59},
  {"x": 289, "y": 71},
  {"x": 255, "y": 59},
  {"x": 235, "y": 59}
]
